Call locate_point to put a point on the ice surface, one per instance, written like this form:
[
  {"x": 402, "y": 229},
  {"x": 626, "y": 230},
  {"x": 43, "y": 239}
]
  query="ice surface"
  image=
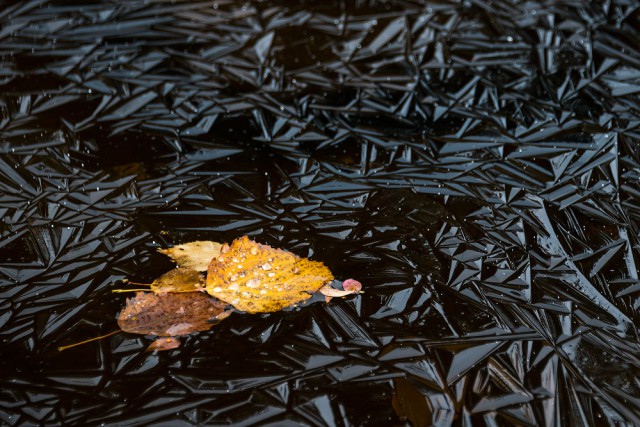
[{"x": 475, "y": 164}]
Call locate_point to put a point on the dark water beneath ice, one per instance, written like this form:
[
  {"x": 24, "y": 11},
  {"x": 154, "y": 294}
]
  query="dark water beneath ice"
[{"x": 474, "y": 164}]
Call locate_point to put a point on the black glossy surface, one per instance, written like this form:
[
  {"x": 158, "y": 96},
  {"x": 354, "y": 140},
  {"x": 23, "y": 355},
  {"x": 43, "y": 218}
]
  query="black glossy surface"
[{"x": 475, "y": 164}]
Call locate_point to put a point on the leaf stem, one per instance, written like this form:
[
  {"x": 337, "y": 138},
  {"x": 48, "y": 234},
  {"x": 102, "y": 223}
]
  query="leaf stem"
[{"x": 64, "y": 347}]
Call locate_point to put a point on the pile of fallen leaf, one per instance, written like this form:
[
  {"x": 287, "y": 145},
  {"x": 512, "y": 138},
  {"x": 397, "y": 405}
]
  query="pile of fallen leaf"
[{"x": 245, "y": 276}]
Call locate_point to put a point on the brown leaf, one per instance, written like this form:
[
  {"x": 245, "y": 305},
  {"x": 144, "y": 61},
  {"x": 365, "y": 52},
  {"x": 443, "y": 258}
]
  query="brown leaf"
[
  {"x": 169, "y": 314},
  {"x": 194, "y": 255},
  {"x": 178, "y": 280},
  {"x": 258, "y": 278},
  {"x": 164, "y": 343},
  {"x": 224, "y": 315}
]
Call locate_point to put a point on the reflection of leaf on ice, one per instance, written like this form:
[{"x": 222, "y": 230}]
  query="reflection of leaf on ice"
[
  {"x": 258, "y": 278},
  {"x": 410, "y": 404},
  {"x": 178, "y": 280},
  {"x": 194, "y": 255},
  {"x": 169, "y": 314}
]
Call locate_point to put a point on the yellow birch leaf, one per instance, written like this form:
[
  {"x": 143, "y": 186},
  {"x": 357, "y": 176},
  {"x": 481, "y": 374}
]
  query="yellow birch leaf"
[
  {"x": 259, "y": 279},
  {"x": 194, "y": 255}
]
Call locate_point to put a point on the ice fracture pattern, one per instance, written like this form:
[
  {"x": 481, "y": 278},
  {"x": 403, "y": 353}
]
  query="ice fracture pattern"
[{"x": 474, "y": 163}]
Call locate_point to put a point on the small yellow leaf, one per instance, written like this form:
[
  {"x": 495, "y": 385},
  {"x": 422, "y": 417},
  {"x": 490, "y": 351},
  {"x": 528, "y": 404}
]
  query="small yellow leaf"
[
  {"x": 194, "y": 255},
  {"x": 178, "y": 280},
  {"x": 259, "y": 279}
]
